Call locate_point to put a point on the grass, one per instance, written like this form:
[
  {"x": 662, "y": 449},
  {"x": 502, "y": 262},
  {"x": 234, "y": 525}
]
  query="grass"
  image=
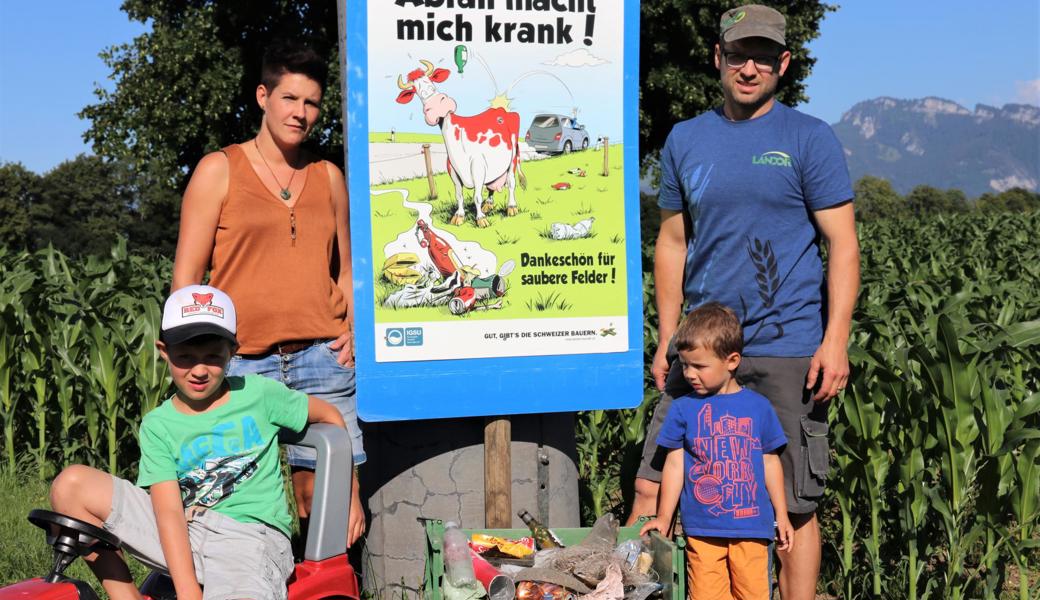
[
  {"x": 383, "y": 137},
  {"x": 540, "y": 205},
  {"x": 24, "y": 553},
  {"x": 506, "y": 239},
  {"x": 548, "y": 302}
]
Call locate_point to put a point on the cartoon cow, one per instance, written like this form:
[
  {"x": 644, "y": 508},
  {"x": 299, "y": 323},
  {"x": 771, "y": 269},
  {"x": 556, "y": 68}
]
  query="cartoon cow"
[{"x": 483, "y": 150}]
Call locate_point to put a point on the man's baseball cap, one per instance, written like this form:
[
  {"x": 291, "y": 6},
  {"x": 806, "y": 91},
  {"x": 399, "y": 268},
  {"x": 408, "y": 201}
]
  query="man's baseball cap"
[
  {"x": 197, "y": 310},
  {"x": 752, "y": 20}
]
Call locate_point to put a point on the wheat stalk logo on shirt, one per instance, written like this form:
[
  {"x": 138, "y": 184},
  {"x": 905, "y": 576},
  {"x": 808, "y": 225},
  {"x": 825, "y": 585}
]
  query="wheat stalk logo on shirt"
[
  {"x": 203, "y": 305},
  {"x": 773, "y": 158}
]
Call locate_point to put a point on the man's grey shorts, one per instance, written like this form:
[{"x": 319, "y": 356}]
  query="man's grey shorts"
[
  {"x": 232, "y": 559},
  {"x": 805, "y": 458}
]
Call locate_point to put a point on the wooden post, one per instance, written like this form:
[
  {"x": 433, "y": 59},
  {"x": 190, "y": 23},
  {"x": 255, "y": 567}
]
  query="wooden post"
[
  {"x": 606, "y": 155},
  {"x": 498, "y": 473},
  {"x": 429, "y": 171}
]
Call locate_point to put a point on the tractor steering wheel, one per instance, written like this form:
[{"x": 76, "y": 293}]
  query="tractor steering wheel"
[{"x": 70, "y": 538}]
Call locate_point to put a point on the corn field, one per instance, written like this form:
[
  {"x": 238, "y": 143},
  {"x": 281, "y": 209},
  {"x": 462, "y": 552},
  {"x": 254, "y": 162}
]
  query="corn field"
[
  {"x": 934, "y": 489},
  {"x": 78, "y": 364}
]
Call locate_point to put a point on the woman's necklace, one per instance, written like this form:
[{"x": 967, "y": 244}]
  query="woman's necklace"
[{"x": 284, "y": 193}]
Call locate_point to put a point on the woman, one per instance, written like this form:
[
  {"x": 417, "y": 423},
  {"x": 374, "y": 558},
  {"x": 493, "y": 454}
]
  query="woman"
[{"x": 271, "y": 222}]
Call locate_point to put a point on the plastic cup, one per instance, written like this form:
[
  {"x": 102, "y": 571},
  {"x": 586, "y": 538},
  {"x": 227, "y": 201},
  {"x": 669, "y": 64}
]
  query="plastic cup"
[{"x": 498, "y": 585}]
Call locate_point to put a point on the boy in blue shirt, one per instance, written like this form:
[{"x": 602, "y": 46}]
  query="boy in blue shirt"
[{"x": 723, "y": 464}]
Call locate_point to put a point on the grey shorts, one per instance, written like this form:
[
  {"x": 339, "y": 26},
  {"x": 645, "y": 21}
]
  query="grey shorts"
[
  {"x": 805, "y": 458},
  {"x": 232, "y": 559}
]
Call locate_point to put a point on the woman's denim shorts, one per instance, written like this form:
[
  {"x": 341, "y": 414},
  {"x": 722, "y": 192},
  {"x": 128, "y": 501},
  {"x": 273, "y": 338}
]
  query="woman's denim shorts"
[{"x": 315, "y": 372}]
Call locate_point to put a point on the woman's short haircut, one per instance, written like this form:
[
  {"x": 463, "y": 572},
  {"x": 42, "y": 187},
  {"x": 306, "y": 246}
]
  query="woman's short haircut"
[
  {"x": 286, "y": 56},
  {"x": 712, "y": 326}
]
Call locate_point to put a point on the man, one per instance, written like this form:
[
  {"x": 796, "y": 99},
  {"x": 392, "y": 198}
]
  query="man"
[{"x": 747, "y": 191}]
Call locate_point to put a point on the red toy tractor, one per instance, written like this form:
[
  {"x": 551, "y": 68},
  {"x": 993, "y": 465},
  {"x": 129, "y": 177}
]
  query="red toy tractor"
[{"x": 324, "y": 572}]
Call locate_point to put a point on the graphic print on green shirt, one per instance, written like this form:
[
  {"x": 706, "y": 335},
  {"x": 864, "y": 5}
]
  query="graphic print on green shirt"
[{"x": 227, "y": 458}]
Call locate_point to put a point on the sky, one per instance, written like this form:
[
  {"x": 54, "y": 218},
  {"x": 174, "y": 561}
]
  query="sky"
[{"x": 963, "y": 50}]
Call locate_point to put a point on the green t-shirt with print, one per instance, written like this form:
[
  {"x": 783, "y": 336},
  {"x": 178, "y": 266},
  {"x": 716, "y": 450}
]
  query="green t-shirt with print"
[{"x": 227, "y": 458}]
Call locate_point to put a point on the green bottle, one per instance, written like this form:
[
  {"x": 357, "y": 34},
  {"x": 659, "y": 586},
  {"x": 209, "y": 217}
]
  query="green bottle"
[{"x": 543, "y": 536}]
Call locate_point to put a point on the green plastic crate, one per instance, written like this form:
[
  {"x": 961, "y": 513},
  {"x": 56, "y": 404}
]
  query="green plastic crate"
[{"x": 669, "y": 556}]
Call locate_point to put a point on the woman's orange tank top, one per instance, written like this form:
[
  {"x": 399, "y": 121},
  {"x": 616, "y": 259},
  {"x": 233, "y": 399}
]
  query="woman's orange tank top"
[{"x": 284, "y": 289}]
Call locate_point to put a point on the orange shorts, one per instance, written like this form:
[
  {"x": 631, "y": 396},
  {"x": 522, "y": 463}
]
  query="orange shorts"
[{"x": 727, "y": 569}]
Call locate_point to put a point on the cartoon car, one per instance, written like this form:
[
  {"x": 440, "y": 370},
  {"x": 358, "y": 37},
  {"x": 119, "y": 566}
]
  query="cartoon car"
[
  {"x": 209, "y": 484},
  {"x": 556, "y": 133}
]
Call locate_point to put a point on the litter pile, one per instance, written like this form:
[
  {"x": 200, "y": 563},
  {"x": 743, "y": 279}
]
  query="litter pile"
[{"x": 540, "y": 567}]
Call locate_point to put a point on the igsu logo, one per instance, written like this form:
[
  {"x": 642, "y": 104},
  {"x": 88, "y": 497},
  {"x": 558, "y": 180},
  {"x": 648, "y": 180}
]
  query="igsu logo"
[{"x": 774, "y": 158}]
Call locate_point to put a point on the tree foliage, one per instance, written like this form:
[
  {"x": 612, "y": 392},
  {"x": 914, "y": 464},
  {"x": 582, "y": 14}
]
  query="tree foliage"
[
  {"x": 19, "y": 191},
  {"x": 877, "y": 199},
  {"x": 1016, "y": 199},
  {"x": 925, "y": 200},
  {"x": 188, "y": 87},
  {"x": 82, "y": 206},
  {"x": 85, "y": 204}
]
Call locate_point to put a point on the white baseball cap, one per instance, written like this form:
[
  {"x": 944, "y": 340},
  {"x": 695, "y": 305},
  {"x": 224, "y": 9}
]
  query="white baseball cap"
[{"x": 197, "y": 310}]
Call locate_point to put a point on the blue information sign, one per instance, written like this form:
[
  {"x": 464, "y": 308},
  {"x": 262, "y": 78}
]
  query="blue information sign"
[{"x": 493, "y": 172}]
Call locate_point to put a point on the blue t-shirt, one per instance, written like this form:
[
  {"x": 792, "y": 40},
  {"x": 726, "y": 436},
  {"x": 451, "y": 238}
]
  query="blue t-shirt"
[
  {"x": 750, "y": 188},
  {"x": 723, "y": 438}
]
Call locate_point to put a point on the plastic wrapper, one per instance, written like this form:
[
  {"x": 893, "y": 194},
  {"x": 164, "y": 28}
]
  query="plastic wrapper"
[
  {"x": 497, "y": 546},
  {"x": 533, "y": 590}
]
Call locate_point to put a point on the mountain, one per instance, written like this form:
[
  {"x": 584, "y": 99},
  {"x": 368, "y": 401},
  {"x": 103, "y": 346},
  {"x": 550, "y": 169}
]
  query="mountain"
[{"x": 940, "y": 143}]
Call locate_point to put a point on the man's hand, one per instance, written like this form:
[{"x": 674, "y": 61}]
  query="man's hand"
[
  {"x": 345, "y": 345},
  {"x": 838, "y": 227},
  {"x": 833, "y": 360},
  {"x": 660, "y": 366},
  {"x": 784, "y": 533}
]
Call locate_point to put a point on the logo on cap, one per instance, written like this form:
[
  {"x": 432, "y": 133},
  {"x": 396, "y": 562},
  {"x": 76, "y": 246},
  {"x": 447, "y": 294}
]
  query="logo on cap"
[
  {"x": 202, "y": 306},
  {"x": 734, "y": 19}
]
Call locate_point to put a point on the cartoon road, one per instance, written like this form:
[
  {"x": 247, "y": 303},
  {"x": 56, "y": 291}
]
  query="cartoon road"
[{"x": 394, "y": 162}]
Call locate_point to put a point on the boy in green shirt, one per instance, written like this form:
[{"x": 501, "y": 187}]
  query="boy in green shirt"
[{"x": 215, "y": 513}]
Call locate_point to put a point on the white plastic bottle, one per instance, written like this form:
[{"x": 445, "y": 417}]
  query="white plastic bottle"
[{"x": 458, "y": 566}]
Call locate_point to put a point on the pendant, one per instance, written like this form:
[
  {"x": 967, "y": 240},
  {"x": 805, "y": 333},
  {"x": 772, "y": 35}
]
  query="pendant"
[{"x": 286, "y": 194}]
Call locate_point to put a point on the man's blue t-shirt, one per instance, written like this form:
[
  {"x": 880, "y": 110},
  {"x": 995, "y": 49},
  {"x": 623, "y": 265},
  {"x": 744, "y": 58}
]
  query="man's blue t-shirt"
[
  {"x": 723, "y": 438},
  {"x": 750, "y": 188}
]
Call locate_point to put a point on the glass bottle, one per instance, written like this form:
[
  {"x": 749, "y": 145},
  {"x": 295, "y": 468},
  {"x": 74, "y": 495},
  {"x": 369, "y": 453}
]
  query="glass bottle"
[{"x": 543, "y": 536}]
